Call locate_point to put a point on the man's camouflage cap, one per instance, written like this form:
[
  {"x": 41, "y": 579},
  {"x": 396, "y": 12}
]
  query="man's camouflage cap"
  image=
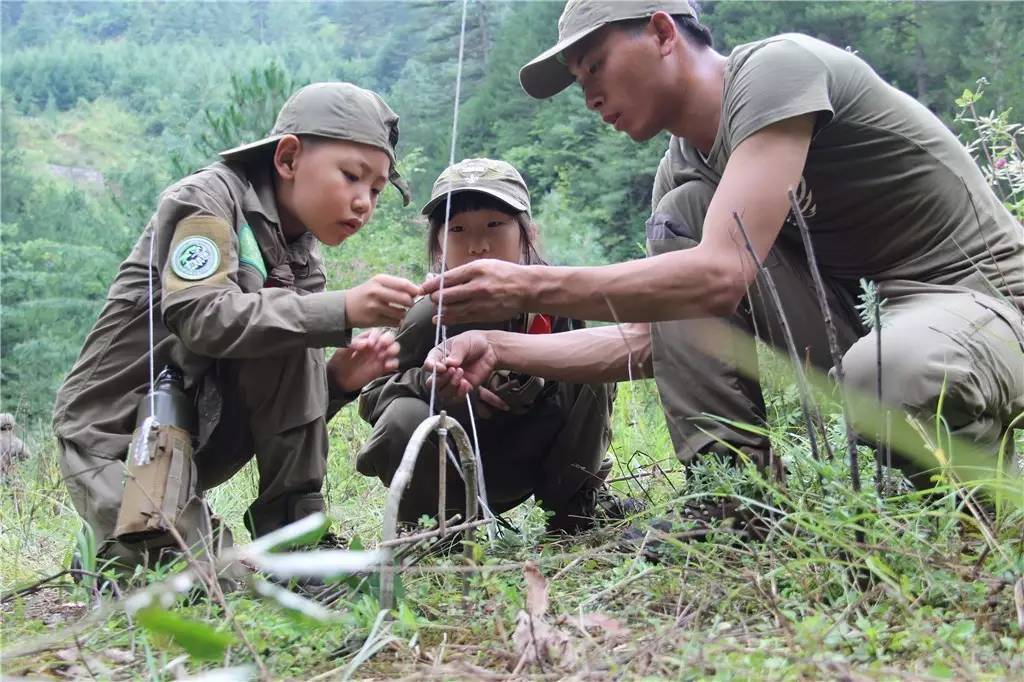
[
  {"x": 548, "y": 75},
  {"x": 488, "y": 176},
  {"x": 340, "y": 111}
]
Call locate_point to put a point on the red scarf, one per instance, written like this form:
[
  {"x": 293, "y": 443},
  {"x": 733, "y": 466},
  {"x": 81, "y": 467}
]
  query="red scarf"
[{"x": 537, "y": 323}]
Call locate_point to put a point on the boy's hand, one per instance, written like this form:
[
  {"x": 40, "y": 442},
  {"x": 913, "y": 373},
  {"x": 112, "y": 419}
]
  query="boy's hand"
[
  {"x": 382, "y": 300},
  {"x": 370, "y": 355}
]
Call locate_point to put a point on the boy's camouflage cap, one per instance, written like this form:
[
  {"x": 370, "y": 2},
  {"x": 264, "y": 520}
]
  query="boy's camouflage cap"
[
  {"x": 548, "y": 75},
  {"x": 341, "y": 111},
  {"x": 496, "y": 178}
]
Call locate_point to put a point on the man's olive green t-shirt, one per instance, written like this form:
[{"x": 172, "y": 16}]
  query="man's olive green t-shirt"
[{"x": 888, "y": 191}]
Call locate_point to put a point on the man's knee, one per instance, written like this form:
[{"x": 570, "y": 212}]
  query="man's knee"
[
  {"x": 95, "y": 485},
  {"x": 915, "y": 378},
  {"x": 681, "y": 212}
]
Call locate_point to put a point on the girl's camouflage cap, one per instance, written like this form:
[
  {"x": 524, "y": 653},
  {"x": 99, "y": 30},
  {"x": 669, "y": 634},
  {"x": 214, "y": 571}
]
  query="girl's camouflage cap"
[
  {"x": 340, "y": 111},
  {"x": 488, "y": 176},
  {"x": 548, "y": 75}
]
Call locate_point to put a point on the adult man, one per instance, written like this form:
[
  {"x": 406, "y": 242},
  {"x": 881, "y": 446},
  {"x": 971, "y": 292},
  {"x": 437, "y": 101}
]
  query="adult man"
[{"x": 889, "y": 193}]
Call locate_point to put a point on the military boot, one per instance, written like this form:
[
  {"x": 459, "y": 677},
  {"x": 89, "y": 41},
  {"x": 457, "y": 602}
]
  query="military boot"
[
  {"x": 593, "y": 504},
  {"x": 699, "y": 517}
]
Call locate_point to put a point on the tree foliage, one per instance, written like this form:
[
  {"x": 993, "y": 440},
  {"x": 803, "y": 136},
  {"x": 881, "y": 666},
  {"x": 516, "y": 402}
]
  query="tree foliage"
[{"x": 139, "y": 93}]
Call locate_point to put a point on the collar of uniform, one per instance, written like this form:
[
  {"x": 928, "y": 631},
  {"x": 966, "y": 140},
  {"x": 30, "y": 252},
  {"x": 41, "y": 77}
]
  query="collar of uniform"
[
  {"x": 259, "y": 198},
  {"x": 260, "y": 195},
  {"x": 299, "y": 250}
]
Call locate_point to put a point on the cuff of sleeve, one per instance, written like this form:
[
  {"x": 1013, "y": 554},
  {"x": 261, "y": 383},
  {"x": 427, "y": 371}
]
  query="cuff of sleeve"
[
  {"x": 338, "y": 401},
  {"x": 335, "y": 393},
  {"x": 325, "y": 319}
]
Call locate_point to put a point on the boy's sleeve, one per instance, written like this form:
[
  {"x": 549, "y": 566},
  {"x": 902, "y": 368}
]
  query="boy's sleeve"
[
  {"x": 415, "y": 338},
  {"x": 203, "y": 303}
]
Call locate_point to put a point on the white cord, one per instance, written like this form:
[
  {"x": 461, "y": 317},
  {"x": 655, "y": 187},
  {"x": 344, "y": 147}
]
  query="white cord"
[
  {"x": 492, "y": 532},
  {"x": 152, "y": 369},
  {"x": 140, "y": 449},
  {"x": 441, "y": 331}
]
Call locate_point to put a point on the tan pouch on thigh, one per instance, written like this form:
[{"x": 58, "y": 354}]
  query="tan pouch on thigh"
[{"x": 159, "y": 482}]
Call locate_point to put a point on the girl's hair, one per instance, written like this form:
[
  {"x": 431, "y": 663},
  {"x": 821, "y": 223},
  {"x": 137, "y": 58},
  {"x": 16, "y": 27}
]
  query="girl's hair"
[{"x": 464, "y": 202}]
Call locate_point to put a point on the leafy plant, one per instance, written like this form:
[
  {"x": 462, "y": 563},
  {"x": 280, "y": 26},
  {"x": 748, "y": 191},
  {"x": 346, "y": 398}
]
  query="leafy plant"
[{"x": 995, "y": 143}]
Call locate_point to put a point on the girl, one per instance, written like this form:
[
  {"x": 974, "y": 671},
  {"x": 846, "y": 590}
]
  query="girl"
[{"x": 537, "y": 437}]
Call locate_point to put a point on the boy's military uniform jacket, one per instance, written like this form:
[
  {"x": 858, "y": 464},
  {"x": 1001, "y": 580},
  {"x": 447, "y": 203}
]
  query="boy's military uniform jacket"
[{"x": 225, "y": 285}]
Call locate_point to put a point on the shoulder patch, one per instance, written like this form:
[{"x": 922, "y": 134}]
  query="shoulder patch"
[
  {"x": 195, "y": 258},
  {"x": 249, "y": 251}
]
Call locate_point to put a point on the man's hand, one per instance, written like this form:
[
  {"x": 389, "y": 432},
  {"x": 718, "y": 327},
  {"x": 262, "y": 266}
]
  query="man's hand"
[
  {"x": 370, "y": 355},
  {"x": 382, "y": 300},
  {"x": 462, "y": 363},
  {"x": 486, "y": 290}
]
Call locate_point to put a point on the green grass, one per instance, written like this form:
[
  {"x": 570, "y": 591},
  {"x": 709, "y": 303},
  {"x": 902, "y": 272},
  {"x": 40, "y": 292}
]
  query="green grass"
[{"x": 923, "y": 596}]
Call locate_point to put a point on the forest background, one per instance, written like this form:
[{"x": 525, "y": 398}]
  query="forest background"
[{"x": 105, "y": 104}]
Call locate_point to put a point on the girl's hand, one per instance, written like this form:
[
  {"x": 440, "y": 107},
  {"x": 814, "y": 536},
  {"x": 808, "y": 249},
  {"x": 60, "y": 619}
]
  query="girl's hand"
[
  {"x": 489, "y": 402},
  {"x": 370, "y": 355},
  {"x": 462, "y": 363},
  {"x": 492, "y": 399},
  {"x": 382, "y": 300}
]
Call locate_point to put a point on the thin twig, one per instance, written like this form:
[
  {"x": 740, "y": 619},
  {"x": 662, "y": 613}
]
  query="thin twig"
[
  {"x": 565, "y": 569},
  {"x": 631, "y": 477},
  {"x": 617, "y": 586},
  {"x": 833, "y": 340},
  {"x": 209, "y": 578},
  {"x": 442, "y": 476},
  {"x": 882, "y": 441},
  {"x": 213, "y": 588},
  {"x": 425, "y": 535},
  {"x": 790, "y": 343},
  {"x": 984, "y": 237},
  {"x": 31, "y": 589},
  {"x": 81, "y": 656},
  {"x": 773, "y": 603}
]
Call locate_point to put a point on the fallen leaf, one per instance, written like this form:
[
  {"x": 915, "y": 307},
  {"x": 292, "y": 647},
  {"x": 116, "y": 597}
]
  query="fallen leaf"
[
  {"x": 536, "y": 590},
  {"x": 119, "y": 655},
  {"x": 535, "y": 641},
  {"x": 607, "y": 624}
]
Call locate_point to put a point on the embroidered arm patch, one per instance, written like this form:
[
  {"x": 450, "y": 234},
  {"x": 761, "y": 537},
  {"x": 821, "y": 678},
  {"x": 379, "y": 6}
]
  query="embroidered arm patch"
[{"x": 201, "y": 253}]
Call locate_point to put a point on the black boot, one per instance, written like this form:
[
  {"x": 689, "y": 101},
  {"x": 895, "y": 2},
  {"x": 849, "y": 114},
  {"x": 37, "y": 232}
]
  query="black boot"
[
  {"x": 697, "y": 518},
  {"x": 593, "y": 504}
]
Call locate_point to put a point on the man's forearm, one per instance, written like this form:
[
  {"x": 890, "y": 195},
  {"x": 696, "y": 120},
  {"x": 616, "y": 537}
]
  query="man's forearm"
[
  {"x": 710, "y": 279},
  {"x": 584, "y": 356},
  {"x": 677, "y": 285}
]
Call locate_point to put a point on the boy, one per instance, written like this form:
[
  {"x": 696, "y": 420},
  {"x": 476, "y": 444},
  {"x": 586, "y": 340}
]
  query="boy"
[{"x": 239, "y": 284}]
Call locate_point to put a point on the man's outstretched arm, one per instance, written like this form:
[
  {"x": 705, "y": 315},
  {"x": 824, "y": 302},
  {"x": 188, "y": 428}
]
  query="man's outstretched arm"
[
  {"x": 708, "y": 280},
  {"x": 584, "y": 356}
]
